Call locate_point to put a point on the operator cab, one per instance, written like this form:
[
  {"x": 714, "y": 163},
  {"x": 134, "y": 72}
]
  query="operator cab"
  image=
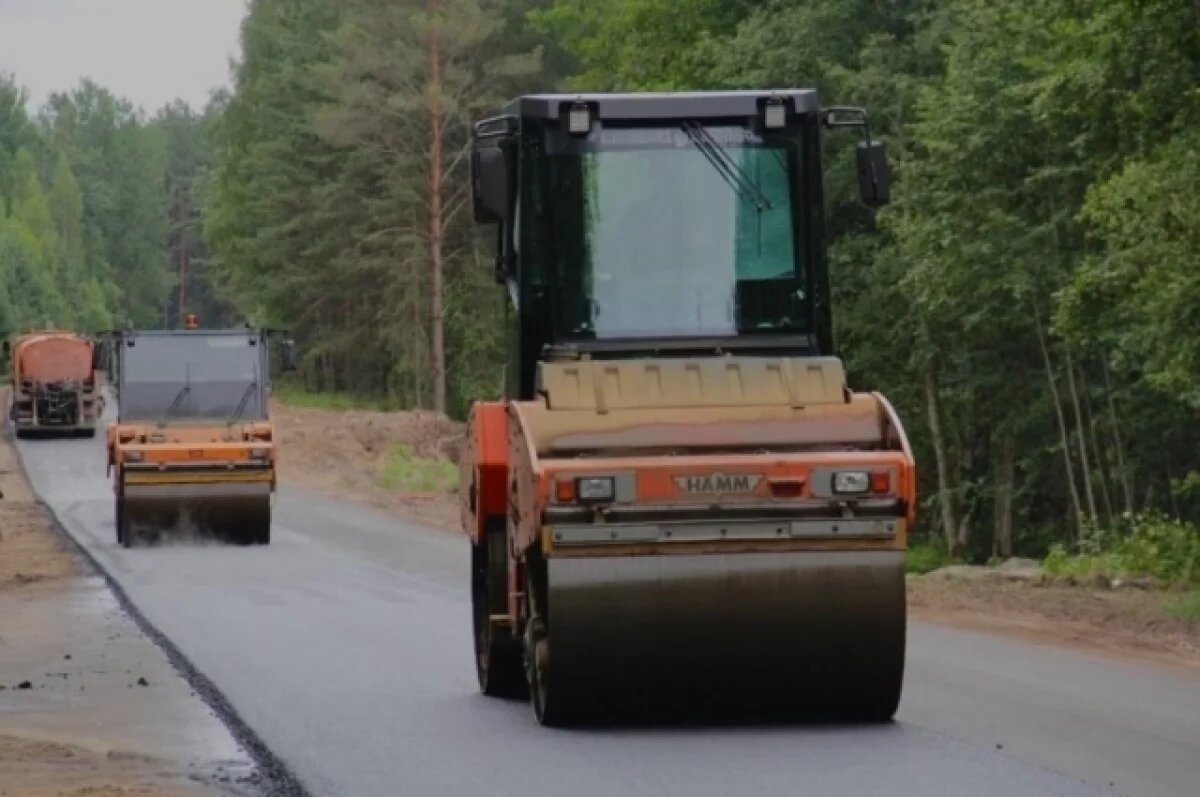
[
  {"x": 193, "y": 376},
  {"x": 649, "y": 224}
]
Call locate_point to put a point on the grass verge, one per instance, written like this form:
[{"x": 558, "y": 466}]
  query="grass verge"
[
  {"x": 403, "y": 470},
  {"x": 925, "y": 557},
  {"x": 1186, "y": 608}
]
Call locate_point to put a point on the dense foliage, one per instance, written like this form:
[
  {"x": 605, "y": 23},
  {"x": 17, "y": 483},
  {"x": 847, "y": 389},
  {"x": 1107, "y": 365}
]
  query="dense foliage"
[
  {"x": 97, "y": 204},
  {"x": 340, "y": 204},
  {"x": 1030, "y": 301}
]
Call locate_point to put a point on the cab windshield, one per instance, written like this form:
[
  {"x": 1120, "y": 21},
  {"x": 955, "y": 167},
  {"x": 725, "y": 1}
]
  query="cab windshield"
[
  {"x": 687, "y": 231},
  {"x": 191, "y": 376}
]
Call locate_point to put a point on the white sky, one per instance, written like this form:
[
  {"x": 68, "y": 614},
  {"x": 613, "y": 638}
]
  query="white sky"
[{"x": 149, "y": 51}]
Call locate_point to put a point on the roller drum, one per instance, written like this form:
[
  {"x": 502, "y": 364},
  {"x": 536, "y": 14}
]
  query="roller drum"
[
  {"x": 153, "y": 519},
  {"x": 768, "y": 635}
]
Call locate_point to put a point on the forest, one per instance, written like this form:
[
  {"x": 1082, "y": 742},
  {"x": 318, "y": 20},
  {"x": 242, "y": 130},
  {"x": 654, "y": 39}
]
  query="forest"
[{"x": 1030, "y": 300}]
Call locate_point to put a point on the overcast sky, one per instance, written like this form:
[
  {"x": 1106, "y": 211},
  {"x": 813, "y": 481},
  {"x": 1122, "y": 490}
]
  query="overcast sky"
[{"x": 149, "y": 51}]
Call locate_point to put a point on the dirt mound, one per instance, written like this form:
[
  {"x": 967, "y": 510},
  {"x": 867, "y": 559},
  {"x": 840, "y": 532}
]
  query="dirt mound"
[
  {"x": 400, "y": 461},
  {"x": 1129, "y": 623}
]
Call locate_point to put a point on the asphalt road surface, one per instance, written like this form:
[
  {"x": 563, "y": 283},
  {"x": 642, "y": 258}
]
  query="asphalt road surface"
[{"x": 346, "y": 646}]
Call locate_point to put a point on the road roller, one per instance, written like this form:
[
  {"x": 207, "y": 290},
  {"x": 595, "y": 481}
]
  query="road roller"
[
  {"x": 192, "y": 452},
  {"x": 679, "y": 506}
]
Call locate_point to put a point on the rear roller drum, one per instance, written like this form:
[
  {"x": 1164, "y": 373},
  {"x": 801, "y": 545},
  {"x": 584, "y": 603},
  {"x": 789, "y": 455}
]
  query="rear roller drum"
[
  {"x": 497, "y": 654},
  {"x": 756, "y": 636}
]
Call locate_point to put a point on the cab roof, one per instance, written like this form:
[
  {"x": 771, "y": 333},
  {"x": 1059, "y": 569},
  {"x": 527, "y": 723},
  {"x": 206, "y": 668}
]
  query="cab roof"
[
  {"x": 190, "y": 333},
  {"x": 663, "y": 105}
]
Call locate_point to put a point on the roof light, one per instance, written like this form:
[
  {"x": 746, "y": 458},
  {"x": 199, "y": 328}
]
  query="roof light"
[
  {"x": 775, "y": 114},
  {"x": 579, "y": 119}
]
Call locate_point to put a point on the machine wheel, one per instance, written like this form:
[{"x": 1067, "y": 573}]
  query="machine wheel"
[
  {"x": 497, "y": 654},
  {"x": 124, "y": 533},
  {"x": 550, "y": 704},
  {"x": 546, "y": 704}
]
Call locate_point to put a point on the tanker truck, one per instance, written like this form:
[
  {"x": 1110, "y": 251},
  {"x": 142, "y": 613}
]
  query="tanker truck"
[
  {"x": 679, "y": 504},
  {"x": 55, "y": 384}
]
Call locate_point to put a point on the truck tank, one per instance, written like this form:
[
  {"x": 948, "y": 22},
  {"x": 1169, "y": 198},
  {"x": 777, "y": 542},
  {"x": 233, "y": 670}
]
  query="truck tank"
[{"x": 55, "y": 384}]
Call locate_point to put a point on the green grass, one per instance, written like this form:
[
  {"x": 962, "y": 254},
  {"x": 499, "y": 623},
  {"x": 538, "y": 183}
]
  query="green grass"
[
  {"x": 1164, "y": 549},
  {"x": 1186, "y": 608},
  {"x": 925, "y": 557},
  {"x": 402, "y": 470}
]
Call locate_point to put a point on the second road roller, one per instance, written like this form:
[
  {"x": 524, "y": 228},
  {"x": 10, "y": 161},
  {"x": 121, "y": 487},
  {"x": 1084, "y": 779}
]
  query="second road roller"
[
  {"x": 192, "y": 452},
  {"x": 679, "y": 505}
]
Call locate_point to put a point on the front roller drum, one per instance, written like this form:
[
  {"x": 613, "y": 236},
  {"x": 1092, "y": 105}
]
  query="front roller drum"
[
  {"x": 758, "y": 636},
  {"x": 242, "y": 520}
]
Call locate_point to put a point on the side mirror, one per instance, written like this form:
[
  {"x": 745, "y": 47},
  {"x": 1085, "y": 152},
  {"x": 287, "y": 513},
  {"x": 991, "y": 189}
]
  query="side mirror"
[
  {"x": 490, "y": 183},
  {"x": 7, "y": 348},
  {"x": 290, "y": 360},
  {"x": 874, "y": 184}
]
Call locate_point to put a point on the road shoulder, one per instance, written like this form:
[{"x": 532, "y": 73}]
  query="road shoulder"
[
  {"x": 1127, "y": 624},
  {"x": 91, "y": 705}
]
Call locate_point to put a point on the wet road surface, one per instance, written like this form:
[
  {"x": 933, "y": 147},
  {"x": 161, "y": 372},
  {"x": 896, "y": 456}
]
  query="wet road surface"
[{"x": 346, "y": 646}]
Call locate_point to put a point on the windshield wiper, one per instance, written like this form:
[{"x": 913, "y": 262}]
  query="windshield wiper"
[
  {"x": 733, "y": 174},
  {"x": 179, "y": 397},
  {"x": 251, "y": 388}
]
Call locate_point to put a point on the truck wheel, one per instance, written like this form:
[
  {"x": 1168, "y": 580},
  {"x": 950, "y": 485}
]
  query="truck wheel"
[{"x": 497, "y": 653}]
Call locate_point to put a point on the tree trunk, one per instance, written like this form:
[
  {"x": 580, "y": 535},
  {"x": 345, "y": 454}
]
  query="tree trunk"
[
  {"x": 1118, "y": 445},
  {"x": 436, "y": 205},
  {"x": 1062, "y": 422},
  {"x": 1171, "y": 493},
  {"x": 1102, "y": 468},
  {"x": 1005, "y": 467},
  {"x": 945, "y": 499},
  {"x": 1081, "y": 439}
]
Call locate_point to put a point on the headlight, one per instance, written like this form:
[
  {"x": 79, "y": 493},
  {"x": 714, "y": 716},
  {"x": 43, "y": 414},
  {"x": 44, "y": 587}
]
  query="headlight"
[
  {"x": 851, "y": 482},
  {"x": 134, "y": 456},
  {"x": 595, "y": 488}
]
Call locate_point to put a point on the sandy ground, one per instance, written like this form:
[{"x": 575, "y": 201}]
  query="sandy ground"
[
  {"x": 1126, "y": 623},
  {"x": 89, "y": 707},
  {"x": 342, "y": 453}
]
